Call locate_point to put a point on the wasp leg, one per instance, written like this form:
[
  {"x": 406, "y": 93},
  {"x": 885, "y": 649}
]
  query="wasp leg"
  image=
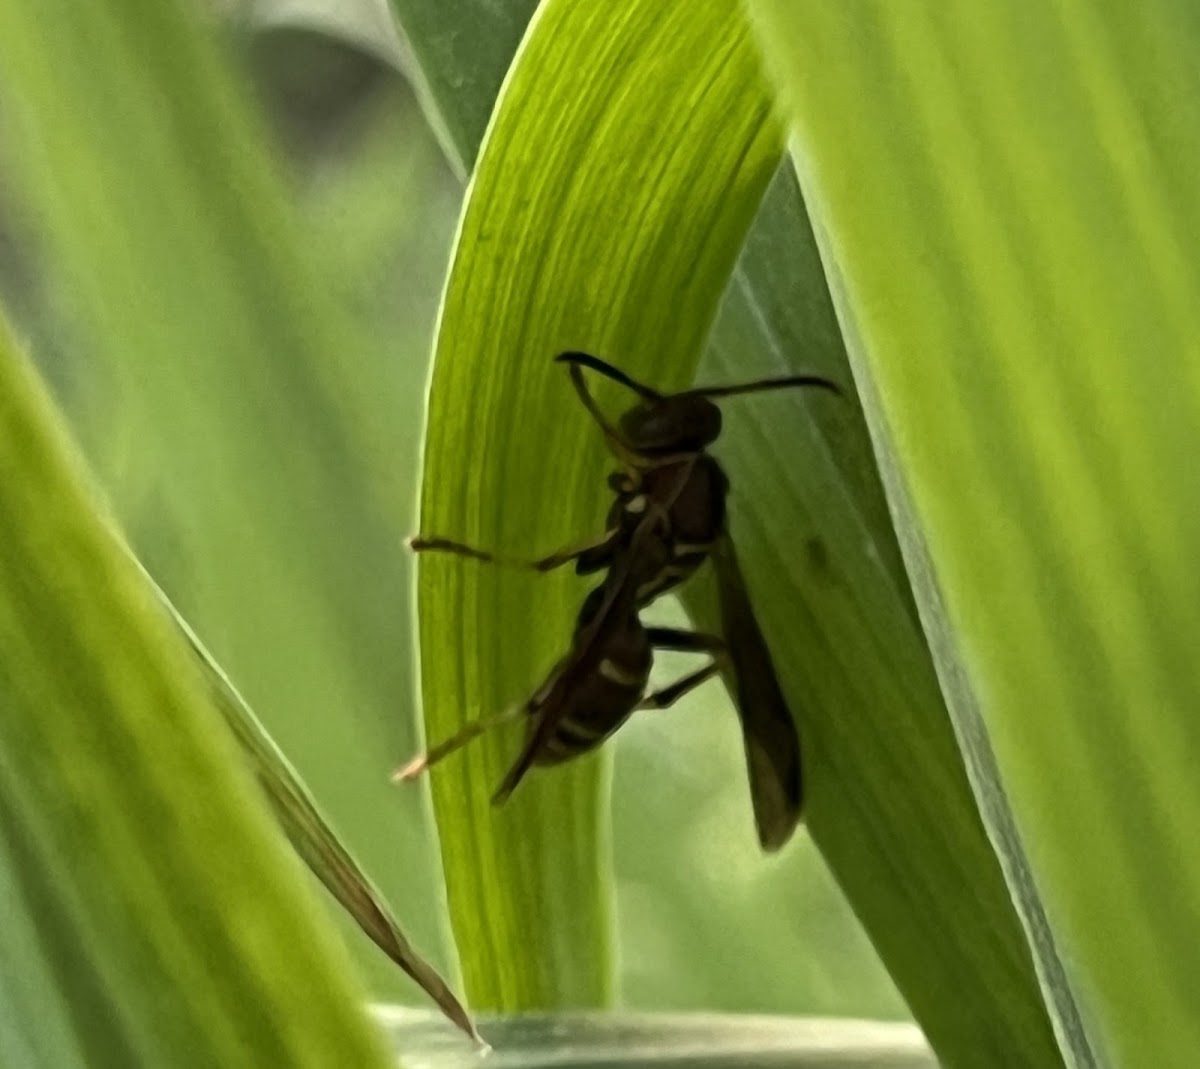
[
  {"x": 541, "y": 564},
  {"x": 424, "y": 761},
  {"x": 668, "y": 696},
  {"x": 670, "y": 638}
]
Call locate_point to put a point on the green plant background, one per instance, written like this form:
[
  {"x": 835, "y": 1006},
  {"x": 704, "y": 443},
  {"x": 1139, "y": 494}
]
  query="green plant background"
[
  {"x": 703, "y": 920},
  {"x": 225, "y": 250}
]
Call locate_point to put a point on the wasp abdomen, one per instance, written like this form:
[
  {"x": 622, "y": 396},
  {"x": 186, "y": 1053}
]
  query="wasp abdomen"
[{"x": 604, "y": 699}]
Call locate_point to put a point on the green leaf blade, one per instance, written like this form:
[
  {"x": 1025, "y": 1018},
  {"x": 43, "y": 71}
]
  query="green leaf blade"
[
  {"x": 310, "y": 834},
  {"x": 1019, "y": 280}
]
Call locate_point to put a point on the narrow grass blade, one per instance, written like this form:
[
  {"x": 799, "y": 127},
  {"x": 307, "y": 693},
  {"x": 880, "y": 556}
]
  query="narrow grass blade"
[{"x": 310, "y": 834}]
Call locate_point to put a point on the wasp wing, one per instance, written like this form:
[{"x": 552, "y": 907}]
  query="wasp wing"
[{"x": 769, "y": 732}]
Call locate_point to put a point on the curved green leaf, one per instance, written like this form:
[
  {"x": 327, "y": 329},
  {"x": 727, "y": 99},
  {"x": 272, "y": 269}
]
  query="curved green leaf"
[
  {"x": 623, "y": 255},
  {"x": 167, "y": 922},
  {"x": 310, "y": 834},
  {"x": 670, "y": 893}
]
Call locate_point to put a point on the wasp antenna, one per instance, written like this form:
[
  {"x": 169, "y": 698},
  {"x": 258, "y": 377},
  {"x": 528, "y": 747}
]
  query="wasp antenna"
[
  {"x": 609, "y": 372},
  {"x": 761, "y": 385}
]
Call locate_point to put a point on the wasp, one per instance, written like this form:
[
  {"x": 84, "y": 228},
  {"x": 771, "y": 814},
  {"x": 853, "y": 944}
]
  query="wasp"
[
  {"x": 667, "y": 518},
  {"x": 600, "y": 682}
]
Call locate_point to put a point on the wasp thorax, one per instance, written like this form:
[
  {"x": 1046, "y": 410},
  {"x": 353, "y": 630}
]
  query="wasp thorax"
[{"x": 679, "y": 424}]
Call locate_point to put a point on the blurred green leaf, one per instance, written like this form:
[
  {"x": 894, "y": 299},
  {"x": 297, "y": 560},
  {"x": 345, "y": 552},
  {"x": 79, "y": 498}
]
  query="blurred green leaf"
[
  {"x": 1014, "y": 256},
  {"x": 254, "y": 434},
  {"x": 155, "y": 918},
  {"x": 546, "y": 261},
  {"x": 706, "y": 1041}
]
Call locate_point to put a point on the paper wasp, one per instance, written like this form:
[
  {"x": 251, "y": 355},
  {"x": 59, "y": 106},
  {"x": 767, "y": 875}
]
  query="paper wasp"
[{"x": 667, "y": 518}]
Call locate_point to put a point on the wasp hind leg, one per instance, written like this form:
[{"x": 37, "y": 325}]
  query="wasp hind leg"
[
  {"x": 670, "y": 638},
  {"x": 668, "y": 696},
  {"x": 470, "y": 731}
]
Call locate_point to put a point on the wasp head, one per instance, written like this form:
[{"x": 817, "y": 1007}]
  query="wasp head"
[{"x": 684, "y": 423}]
